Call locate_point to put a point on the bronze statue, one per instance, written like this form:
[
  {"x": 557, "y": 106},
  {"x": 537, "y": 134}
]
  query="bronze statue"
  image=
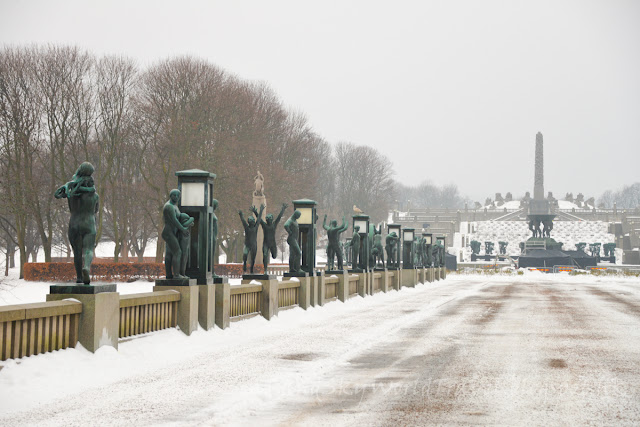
[
  {"x": 293, "y": 230},
  {"x": 391, "y": 245},
  {"x": 214, "y": 232},
  {"x": 377, "y": 252},
  {"x": 488, "y": 248},
  {"x": 83, "y": 202},
  {"x": 333, "y": 247},
  {"x": 475, "y": 247},
  {"x": 172, "y": 226},
  {"x": 356, "y": 259},
  {"x": 269, "y": 242},
  {"x": 548, "y": 226},
  {"x": 250, "y": 237},
  {"x": 184, "y": 239},
  {"x": 503, "y": 247}
]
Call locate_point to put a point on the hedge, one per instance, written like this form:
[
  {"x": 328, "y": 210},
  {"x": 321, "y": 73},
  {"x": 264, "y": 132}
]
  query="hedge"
[{"x": 118, "y": 272}]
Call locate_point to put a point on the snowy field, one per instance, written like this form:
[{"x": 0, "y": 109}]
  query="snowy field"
[{"x": 510, "y": 350}]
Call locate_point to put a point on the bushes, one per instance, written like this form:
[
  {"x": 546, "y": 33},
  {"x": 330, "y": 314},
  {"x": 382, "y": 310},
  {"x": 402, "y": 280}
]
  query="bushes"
[{"x": 117, "y": 272}]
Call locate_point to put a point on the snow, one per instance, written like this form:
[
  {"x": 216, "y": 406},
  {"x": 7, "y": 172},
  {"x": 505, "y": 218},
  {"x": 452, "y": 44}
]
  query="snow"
[
  {"x": 472, "y": 349},
  {"x": 515, "y": 204}
]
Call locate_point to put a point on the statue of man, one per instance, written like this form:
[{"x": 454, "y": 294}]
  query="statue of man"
[
  {"x": 293, "y": 230},
  {"x": 258, "y": 180},
  {"x": 377, "y": 251},
  {"x": 214, "y": 232},
  {"x": 269, "y": 242},
  {"x": 172, "y": 227},
  {"x": 333, "y": 247},
  {"x": 391, "y": 242},
  {"x": 548, "y": 226},
  {"x": 83, "y": 202},
  {"x": 356, "y": 260},
  {"x": 250, "y": 237}
]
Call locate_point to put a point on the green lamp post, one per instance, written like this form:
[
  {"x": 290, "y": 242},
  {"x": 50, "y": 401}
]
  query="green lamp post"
[
  {"x": 307, "y": 236},
  {"x": 362, "y": 221},
  {"x": 407, "y": 248},
  {"x": 196, "y": 200}
]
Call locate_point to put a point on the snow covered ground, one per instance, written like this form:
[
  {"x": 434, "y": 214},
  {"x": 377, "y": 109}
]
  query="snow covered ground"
[{"x": 511, "y": 350}]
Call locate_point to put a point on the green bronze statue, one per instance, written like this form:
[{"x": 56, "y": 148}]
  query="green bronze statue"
[
  {"x": 377, "y": 251},
  {"x": 269, "y": 246},
  {"x": 83, "y": 202},
  {"x": 475, "y": 247},
  {"x": 295, "y": 254},
  {"x": 488, "y": 248},
  {"x": 214, "y": 233},
  {"x": 356, "y": 259},
  {"x": 333, "y": 247},
  {"x": 250, "y": 226},
  {"x": 184, "y": 238},
  {"x": 175, "y": 234},
  {"x": 391, "y": 246},
  {"x": 503, "y": 247}
]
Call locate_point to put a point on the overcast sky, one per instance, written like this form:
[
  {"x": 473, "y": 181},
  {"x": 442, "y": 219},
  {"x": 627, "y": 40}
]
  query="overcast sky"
[{"x": 450, "y": 91}]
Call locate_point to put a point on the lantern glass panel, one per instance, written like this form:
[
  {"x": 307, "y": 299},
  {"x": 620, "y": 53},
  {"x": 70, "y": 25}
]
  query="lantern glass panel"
[
  {"x": 427, "y": 240},
  {"x": 362, "y": 224},
  {"x": 408, "y": 236},
  {"x": 192, "y": 194},
  {"x": 305, "y": 216}
]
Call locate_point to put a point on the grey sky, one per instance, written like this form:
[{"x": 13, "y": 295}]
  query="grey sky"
[{"x": 450, "y": 91}]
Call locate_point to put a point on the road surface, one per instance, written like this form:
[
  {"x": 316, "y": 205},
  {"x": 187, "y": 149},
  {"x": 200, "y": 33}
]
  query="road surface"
[{"x": 547, "y": 350}]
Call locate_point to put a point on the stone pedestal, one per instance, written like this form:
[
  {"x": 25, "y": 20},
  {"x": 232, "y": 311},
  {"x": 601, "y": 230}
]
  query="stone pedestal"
[
  {"x": 304, "y": 292},
  {"x": 269, "y": 298},
  {"x": 100, "y": 317},
  {"x": 343, "y": 284},
  {"x": 385, "y": 283},
  {"x": 312, "y": 288},
  {"x": 223, "y": 303},
  {"x": 188, "y": 304},
  {"x": 363, "y": 282},
  {"x": 409, "y": 277},
  {"x": 206, "y": 306}
]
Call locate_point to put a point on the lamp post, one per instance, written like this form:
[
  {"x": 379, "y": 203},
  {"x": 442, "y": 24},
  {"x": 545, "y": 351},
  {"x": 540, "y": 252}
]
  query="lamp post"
[
  {"x": 395, "y": 263},
  {"x": 362, "y": 221},
  {"x": 307, "y": 236},
  {"x": 407, "y": 245},
  {"x": 196, "y": 190}
]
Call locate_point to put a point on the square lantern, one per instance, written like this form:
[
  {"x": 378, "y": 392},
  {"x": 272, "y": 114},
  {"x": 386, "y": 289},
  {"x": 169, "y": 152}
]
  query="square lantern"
[
  {"x": 407, "y": 247},
  {"x": 307, "y": 236},
  {"x": 196, "y": 200},
  {"x": 362, "y": 221},
  {"x": 395, "y": 263}
]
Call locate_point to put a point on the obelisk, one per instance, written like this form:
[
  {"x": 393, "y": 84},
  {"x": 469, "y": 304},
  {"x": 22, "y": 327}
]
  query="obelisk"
[
  {"x": 259, "y": 198},
  {"x": 538, "y": 181}
]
